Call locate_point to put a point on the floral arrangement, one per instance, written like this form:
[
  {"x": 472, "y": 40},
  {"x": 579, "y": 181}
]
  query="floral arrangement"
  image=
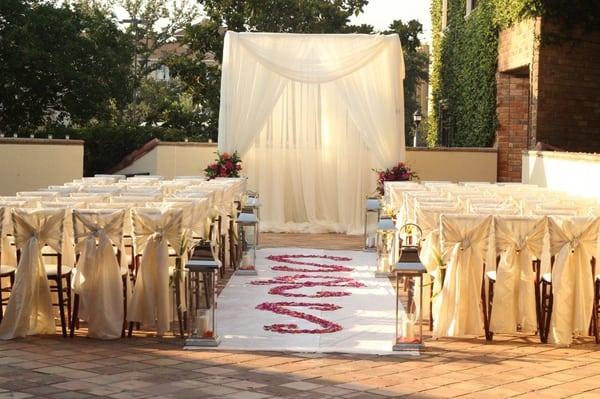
[
  {"x": 226, "y": 165},
  {"x": 400, "y": 172}
]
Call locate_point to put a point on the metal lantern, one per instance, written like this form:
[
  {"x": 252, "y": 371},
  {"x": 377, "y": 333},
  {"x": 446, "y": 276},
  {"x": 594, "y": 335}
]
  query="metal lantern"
[
  {"x": 386, "y": 247},
  {"x": 248, "y": 228},
  {"x": 372, "y": 214},
  {"x": 409, "y": 324},
  {"x": 252, "y": 205},
  {"x": 202, "y": 329}
]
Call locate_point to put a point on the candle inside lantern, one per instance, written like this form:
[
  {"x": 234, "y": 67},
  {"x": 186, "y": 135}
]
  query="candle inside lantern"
[
  {"x": 202, "y": 320},
  {"x": 247, "y": 262},
  {"x": 408, "y": 330}
]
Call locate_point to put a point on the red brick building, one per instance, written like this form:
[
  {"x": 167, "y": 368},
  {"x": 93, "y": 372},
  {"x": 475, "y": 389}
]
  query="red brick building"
[{"x": 546, "y": 92}]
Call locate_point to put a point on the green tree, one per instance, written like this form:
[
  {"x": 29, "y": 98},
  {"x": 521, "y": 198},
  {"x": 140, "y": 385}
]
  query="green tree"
[
  {"x": 416, "y": 64},
  {"x": 152, "y": 24},
  {"x": 64, "y": 63}
]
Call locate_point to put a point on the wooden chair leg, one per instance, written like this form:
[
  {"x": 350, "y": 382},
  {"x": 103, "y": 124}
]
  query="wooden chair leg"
[
  {"x": 1, "y": 301},
  {"x": 594, "y": 321},
  {"x": 68, "y": 289},
  {"x": 489, "y": 335},
  {"x": 75, "y": 315},
  {"x": 547, "y": 300},
  {"x": 486, "y": 320},
  {"x": 130, "y": 332},
  {"x": 125, "y": 277},
  {"x": 61, "y": 305},
  {"x": 178, "y": 305},
  {"x": 431, "y": 308}
]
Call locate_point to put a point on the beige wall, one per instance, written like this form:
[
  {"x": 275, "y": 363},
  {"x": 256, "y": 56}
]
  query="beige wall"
[
  {"x": 453, "y": 164},
  {"x": 30, "y": 164},
  {"x": 576, "y": 173},
  {"x": 174, "y": 159}
]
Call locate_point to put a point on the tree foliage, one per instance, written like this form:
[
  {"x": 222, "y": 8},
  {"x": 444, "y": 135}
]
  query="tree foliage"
[{"x": 59, "y": 63}]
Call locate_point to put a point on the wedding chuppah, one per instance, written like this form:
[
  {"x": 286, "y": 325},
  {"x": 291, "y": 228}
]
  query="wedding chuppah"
[{"x": 312, "y": 115}]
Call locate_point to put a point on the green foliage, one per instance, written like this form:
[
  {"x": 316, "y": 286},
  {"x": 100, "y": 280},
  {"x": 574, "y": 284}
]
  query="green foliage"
[
  {"x": 464, "y": 58},
  {"x": 105, "y": 145},
  {"x": 59, "y": 63},
  {"x": 464, "y": 74}
]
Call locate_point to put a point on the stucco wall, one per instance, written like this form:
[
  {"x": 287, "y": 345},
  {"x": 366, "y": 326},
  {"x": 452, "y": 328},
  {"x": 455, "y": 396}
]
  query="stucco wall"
[
  {"x": 30, "y": 164},
  {"x": 174, "y": 159},
  {"x": 576, "y": 173},
  {"x": 454, "y": 164}
]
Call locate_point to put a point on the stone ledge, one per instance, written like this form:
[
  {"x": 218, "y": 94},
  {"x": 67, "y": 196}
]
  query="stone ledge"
[
  {"x": 187, "y": 144},
  {"x": 23, "y": 140},
  {"x": 453, "y": 149},
  {"x": 573, "y": 156}
]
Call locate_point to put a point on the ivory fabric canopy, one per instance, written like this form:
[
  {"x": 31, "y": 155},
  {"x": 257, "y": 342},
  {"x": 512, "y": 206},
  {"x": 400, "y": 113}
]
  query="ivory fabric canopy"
[{"x": 311, "y": 116}]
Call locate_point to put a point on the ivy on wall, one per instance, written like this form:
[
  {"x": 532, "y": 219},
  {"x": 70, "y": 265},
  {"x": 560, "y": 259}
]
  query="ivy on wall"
[
  {"x": 464, "y": 59},
  {"x": 463, "y": 75}
]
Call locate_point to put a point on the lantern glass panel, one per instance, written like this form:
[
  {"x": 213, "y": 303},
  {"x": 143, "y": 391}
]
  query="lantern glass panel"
[
  {"x": 372, "y": 213},
  {"x": 386, "y": 247},
  {"x": 248, "y": 246}
]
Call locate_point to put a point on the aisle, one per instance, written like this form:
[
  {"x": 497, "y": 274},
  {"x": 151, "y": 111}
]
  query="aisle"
[{"x": 346, "y": 309}]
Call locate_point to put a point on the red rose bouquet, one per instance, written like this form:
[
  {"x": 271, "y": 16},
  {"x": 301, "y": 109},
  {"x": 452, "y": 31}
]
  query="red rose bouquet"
[
  {"x": 226, "y": 165},
  {"x": 400, "y": 172}
]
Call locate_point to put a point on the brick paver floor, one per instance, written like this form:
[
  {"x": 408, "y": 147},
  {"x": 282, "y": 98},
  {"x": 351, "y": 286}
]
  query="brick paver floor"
[{"x": 148, "y": 367}]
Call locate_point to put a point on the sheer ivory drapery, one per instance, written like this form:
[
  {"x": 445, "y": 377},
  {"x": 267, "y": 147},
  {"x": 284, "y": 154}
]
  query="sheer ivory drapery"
[{"x": 311, "y": 116}]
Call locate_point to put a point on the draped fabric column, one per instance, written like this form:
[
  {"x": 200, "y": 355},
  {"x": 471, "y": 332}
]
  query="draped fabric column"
[{"x": 312, "y": 115}]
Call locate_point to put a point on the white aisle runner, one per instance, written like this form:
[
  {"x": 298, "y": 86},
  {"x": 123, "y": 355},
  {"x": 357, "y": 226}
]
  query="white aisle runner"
[{"x": 363, "y": 322}]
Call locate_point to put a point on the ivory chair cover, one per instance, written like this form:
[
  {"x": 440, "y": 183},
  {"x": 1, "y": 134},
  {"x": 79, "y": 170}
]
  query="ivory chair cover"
[
  {"x": 518, "y": 240},
  {"x": 47, "y": 195},
  {"x": 154, "y": 229},
  {"x": 199, "y": 221},
  {"x": 9, "y": 253},
  {"x": 98, "y": 276},
  {"x": 464, "y": 240},
  {"x": 573, "y": 242},
  {"x": 428, "y": 218},
  {"x": 29, "y": 309},
  {"x": 68, "y": 244}
]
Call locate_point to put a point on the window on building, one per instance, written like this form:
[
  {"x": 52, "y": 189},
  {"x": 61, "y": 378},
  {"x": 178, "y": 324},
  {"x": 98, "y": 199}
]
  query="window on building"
[
  {"x": 471, "y": 5},
  {"x": 444, "y": 14}
]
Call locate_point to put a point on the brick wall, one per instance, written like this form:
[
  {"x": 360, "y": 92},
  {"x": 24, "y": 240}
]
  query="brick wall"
[
  {"x": 516, "y": 45},
  {"x": 569, "y": 93},
  {"x": 516, "y": 81},
  {"x": 513, "y": 122}
]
